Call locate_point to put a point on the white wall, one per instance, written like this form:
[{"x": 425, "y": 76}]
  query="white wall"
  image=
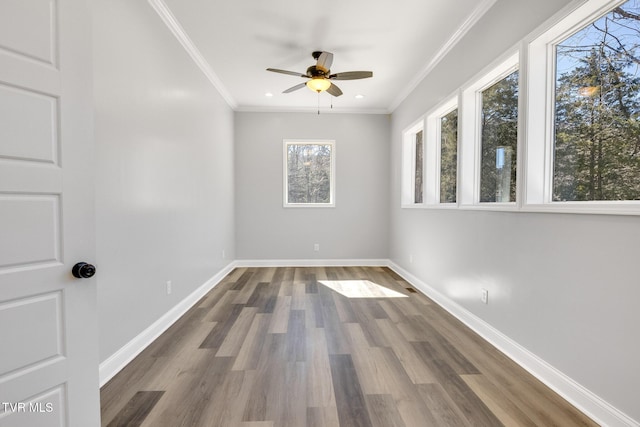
[
  {"x": 164, "y": 178},
  {"x": 357, "y": 228},
  {"x": 563, "y": 286}
]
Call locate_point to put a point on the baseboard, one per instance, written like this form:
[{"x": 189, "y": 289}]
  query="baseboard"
[
  {"x": 111, "y": 366},
  {"x": 312, "y": 262},
  {"x": 590, "y": 404}
]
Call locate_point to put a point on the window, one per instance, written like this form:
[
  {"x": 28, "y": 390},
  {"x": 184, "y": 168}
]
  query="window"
[
  {"x": 499, "y": 140},
  {"x": 597, "y": 108},
  {"x": 489, "y": 137},
  {"x": 442, "y": 154},
  {"x": 581, "y": 102},
  {"x": 309, "y": 173},
  {"x": 418, "y": 167},
  {"x": 448, "y": 156},
  {"x": 583, "y": 128},
  {"x": 430, "y": 158},
  {"x": 413, "y": 169}
]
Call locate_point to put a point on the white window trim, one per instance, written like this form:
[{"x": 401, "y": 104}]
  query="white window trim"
[
  {"x": 408, "y": 178},
  {"x": 535, "y": 127},
  {"x": 470, "y": 135},
  {"x": 433, "y": 153},
  {"x": 332, "y": 183},
  {"x": 540, "y": 95}
]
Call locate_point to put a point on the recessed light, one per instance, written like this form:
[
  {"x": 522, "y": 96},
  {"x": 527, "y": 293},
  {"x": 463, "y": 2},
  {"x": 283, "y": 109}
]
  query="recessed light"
[
  {"x": 268, "y": 94},
  {"x": 359, "y": 96}
]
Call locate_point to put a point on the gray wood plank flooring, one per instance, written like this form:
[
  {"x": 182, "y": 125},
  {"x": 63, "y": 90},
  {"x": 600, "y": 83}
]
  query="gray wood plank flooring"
[{"x": 325, "y": 346}]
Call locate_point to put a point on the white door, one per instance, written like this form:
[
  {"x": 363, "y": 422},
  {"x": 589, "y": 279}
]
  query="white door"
[{"x": 48, "y": 343}]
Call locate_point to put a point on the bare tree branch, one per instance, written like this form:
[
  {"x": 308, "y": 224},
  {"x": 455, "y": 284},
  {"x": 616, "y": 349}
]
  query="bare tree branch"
[{"x": 626, "y": 14}]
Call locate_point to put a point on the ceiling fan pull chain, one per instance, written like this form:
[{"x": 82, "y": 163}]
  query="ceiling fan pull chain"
[{"x": 318, "y": 103}]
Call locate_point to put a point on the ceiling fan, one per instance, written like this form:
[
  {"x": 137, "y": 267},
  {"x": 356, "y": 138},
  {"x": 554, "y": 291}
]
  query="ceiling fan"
[{"x": 320, "y": 76}]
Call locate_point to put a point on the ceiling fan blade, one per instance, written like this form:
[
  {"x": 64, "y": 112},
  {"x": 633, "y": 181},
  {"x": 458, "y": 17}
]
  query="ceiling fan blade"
[
  {"x": 294, "y": 88},
  {"x": 324, "y": 61},
  {"x": 334, "y": 90},
  {"x": 291, "y": 73},
  {"x": 352, "y": 75}
]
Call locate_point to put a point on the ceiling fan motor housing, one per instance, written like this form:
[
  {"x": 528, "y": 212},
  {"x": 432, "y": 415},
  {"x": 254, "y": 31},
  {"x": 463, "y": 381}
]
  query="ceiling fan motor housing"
[{"x": 315, "y": 72}]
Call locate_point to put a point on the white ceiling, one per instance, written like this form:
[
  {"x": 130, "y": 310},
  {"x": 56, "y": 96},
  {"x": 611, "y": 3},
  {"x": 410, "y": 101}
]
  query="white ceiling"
[{"x": 400, "y": 41}]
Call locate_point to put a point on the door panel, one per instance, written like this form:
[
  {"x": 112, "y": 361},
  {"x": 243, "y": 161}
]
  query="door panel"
[
  {"x": 33, "y": 221},
  {"x": 40, "y": 319},
  {"x": 44, "y": 410},
  {"x": 40, "y": 127},
  {"x": 49, "y": 354},
  {"x": 28, "y": 28}
]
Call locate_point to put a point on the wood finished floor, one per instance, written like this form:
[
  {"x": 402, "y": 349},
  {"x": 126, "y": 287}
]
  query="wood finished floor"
[{"x": 271, "y": 347}]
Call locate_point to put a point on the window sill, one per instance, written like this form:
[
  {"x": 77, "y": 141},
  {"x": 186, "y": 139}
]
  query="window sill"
[
  {"x": 584, "y": 208},
  {"x": 431, "y": 206},
  {"x": 309, "y": 205},
  {"x": 591, "y": 208},
  {"x": 488, "y": 206}
]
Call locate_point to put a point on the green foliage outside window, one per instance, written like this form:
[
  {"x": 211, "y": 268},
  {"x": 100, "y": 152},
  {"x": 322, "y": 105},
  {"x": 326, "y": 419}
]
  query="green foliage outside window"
[
  {"x": 448, "y": 157},
  {"x": 419, "y": 166},
  {"x": 499, "y": 124},
  {"x": 309, "y": 173},
  {"x": 597, "y": 110}
]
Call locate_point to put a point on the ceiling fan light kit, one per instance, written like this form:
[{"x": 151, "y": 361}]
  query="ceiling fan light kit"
[
  {"x": 319, "y": 75},
  {"x": 318, "y": 84}
]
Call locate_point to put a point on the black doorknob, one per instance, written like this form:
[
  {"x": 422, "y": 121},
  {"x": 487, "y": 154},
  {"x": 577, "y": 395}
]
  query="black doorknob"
[{"x": 82, "y": 270}]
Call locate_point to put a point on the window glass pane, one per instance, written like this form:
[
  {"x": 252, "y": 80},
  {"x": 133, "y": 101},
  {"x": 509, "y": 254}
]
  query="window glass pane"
[
  {"x": 499, "y": 141},
  {"x": 418, "y": 174},
  {"x": 597, "y": 108},
  {"x": 448, "y": 157},
  {"x": 308, "y": 173}
]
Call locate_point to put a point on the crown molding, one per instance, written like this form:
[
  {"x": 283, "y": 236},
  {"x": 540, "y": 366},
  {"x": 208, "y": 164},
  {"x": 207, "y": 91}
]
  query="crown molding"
[
  {"x": 334, "y": 110},
  {"x": 165, "y": 14},
  {"x": 471, "y": 20},
  {"x": 176, "y": 29}
]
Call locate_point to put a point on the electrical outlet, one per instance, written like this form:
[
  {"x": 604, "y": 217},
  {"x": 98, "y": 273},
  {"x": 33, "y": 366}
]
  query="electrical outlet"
[
  {"x": 168, "y": 287},
  {"x": 316, "y": 247},
  {"x": 484, "y": 297}
]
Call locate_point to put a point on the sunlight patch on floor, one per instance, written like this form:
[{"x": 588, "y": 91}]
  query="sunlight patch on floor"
[{"x": 361, "y": 289}]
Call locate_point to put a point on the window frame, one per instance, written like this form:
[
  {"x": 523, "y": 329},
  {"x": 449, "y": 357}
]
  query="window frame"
[
  {"x": 409, "y": 162},
  {"x": 534, "y": 58},
  {"x": 470, "y": 134},
  {"x": 434, "y": 152},
  {"x": 332, "y": 183},
  {"x": 540, "y": 113}
]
